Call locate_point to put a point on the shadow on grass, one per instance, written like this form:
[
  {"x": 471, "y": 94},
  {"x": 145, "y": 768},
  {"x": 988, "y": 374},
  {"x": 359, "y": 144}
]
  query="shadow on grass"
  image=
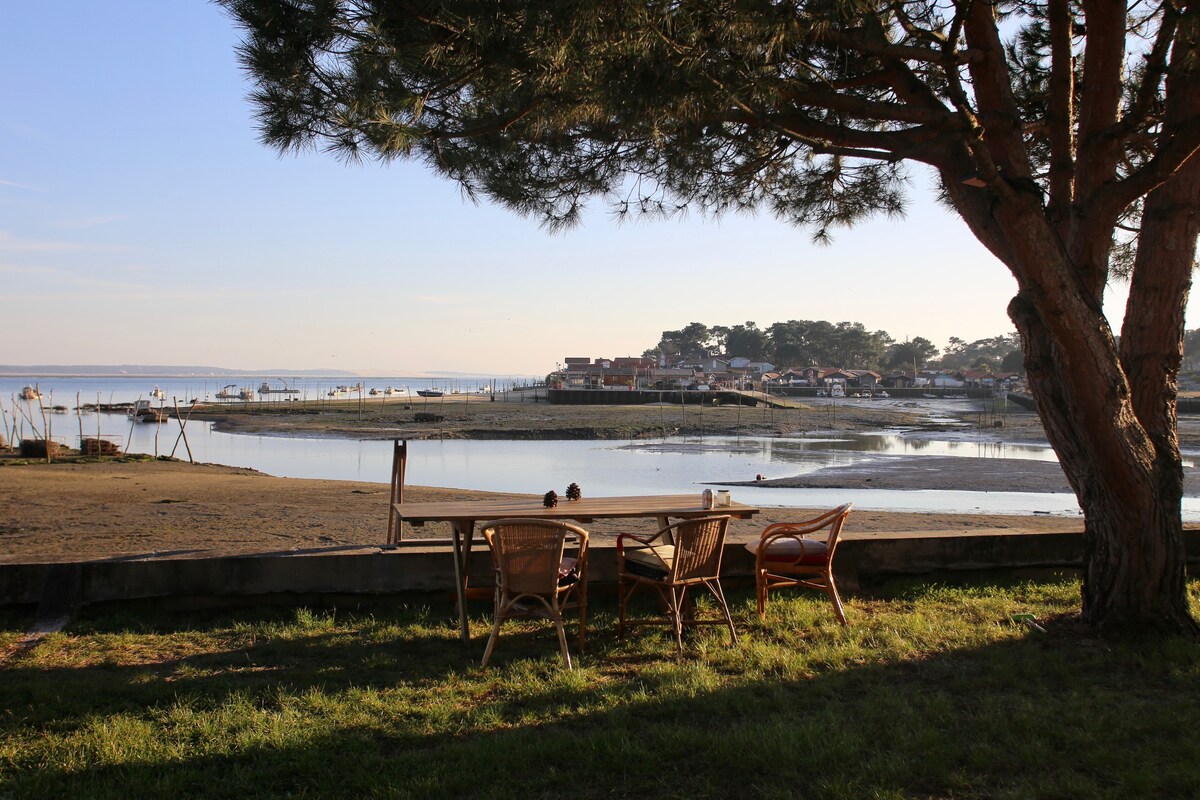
[{"x": 390, "y": 707}]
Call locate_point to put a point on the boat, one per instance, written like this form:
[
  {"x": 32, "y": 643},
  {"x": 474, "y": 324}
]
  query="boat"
[
  {"x": 430, "y": 392},
  {"x": 836, "y": 390},
  {"x": 142, "y": 411},
  {"x": 227, "y": 393},
  {"x": 392, "y": 390},
  {"x": 341, "y": 390},
  {"x": 266, "y": 388},
  {"x": 30, "y": 393},
  {"x": 158, "y": 394}
]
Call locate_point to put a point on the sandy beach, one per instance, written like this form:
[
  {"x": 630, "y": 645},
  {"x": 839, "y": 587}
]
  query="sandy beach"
[
  {"x": 70, "y": 511},
  {"x": 67, "y": 512}
]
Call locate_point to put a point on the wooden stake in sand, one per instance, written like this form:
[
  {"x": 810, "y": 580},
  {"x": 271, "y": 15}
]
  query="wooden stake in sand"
[
  {"x": 46, "y": 425},
  {"x": 132, "y": 422},
  {"x": 182, "y": 433}
]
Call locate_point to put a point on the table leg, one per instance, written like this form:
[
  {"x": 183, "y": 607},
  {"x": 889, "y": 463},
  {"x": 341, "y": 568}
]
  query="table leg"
[
  {"x": 663, "y": 522},
  {"x": 462, "y": 547}
]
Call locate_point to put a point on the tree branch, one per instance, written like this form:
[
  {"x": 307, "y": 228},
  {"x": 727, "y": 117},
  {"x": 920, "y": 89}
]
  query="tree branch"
[
  {"x": 1060, "y": 114},
  {"x": 990, "y": 79}
]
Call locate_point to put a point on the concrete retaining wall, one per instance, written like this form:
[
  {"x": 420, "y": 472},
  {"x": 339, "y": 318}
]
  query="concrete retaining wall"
[{"x": 416, "y": 567}]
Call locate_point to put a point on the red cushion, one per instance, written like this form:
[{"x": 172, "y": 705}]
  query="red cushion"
[
  {"x": 568, "y": 571},
  {"x": 805, "y": 552}
]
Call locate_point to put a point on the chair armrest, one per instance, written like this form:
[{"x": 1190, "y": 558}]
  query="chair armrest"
[{"x": 623, "y": 536}]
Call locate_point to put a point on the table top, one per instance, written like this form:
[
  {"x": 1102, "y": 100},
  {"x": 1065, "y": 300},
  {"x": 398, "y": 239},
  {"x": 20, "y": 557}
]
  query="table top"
[{"x": 682, "y": 506}]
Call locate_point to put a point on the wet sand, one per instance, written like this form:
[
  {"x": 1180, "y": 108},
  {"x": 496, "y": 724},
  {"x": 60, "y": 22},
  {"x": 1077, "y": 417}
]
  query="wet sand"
[{"x": 947, "y": 473}]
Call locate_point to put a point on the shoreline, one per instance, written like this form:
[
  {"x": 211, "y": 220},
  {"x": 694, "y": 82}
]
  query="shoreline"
[{"x": 112, "y": 509}]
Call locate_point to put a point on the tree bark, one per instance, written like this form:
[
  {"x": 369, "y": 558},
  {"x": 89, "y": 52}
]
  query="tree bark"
[{"x": 1126, "y": 474}]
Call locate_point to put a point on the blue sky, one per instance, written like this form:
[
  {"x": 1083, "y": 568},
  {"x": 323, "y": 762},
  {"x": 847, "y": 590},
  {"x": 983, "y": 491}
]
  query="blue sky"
[{"x": 142, "y": 222}]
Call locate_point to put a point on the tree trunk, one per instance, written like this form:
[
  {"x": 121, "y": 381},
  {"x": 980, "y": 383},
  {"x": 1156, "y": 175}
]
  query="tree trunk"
[{"x": 1134, "y": 572}]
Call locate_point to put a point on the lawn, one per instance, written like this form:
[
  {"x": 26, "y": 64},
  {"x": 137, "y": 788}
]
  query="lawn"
[{"x": 933, "y": 692}]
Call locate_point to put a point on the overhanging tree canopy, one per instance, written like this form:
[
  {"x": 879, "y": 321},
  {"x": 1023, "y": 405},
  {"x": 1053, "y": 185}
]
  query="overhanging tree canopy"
[{"x": 1064, "y": 134}]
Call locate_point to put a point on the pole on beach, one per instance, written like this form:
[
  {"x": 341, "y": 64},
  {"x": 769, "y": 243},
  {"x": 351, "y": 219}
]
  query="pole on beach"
[
  {"x": 182, "y": 433},
  {"x": 132, "y": 422},
  {"x": 9, "y": 439},
  {"x": 157, "y": 428},
  {"x": 46, "y": 424}
]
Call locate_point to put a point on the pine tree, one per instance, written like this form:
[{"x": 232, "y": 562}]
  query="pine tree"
[{"x": 1064, "y": 134}]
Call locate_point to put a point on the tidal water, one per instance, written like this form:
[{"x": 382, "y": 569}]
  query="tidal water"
[
  {"x": 63, "y": 391},
  {"x": 671, "y": 465}
]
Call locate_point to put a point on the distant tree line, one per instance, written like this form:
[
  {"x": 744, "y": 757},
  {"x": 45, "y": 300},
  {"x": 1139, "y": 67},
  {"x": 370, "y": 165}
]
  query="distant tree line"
[
  {"x": 800, "y": 343},
  {"x": 1191, "y": 349}
]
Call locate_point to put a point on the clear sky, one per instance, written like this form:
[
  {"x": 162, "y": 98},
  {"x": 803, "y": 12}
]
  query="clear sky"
[{"x": 142, "y": 222}]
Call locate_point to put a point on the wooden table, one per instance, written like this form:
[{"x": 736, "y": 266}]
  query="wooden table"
[{"x": 462, "y": 516}]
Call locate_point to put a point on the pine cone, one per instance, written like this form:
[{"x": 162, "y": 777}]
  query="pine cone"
[
  {"x": 550, "y": 500},
  {"x": 573, "y": 492}
]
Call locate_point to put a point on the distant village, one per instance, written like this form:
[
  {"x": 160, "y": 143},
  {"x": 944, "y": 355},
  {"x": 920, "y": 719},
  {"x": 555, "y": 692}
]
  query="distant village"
[{"x": 708, "y": 372}]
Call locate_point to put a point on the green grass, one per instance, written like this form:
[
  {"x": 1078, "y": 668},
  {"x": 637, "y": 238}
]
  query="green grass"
[{"x": 933, "y": 692}]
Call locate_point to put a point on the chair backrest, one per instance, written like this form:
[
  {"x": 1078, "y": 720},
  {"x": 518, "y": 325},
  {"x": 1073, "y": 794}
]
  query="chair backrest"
[
  {"x": 528, "y": 552},
  {"x": 399, "y": 464},
  {"x": 699, "y": 544},
  {"x": 832, "y": 519}
]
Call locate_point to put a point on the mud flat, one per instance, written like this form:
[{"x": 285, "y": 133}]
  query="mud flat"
[{"x": 946, "y": 473}]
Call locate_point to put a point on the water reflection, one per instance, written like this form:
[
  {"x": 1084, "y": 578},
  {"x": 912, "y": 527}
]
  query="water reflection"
[{"x": 842, "y": 449}]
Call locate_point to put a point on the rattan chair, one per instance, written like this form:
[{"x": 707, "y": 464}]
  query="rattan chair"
[
  {"x": 784, "y": 558},
  {"x": 677, "y": 558},
  {"x": 533, "y": 576}
]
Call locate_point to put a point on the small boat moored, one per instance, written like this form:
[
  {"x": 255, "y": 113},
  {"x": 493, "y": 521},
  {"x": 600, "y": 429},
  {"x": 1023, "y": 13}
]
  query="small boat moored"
[{"x": 267, "y": 388}]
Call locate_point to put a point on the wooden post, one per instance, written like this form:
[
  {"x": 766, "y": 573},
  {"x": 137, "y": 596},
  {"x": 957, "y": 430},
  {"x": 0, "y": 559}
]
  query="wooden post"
[
  {"x": 45, "y": 422},
  {"x": 182, "y": 421},
  {"x": 399, "y": 462}
]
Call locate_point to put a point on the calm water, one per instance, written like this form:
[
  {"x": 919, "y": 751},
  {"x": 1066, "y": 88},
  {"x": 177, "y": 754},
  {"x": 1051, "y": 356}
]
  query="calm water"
[
  {"x": 601, "y": 468},
  {"x": 63, "y": 391}
]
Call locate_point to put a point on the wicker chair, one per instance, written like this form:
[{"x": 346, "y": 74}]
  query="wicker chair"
[
  {"x": 783, "y": 557},
  {"x": 678, "y": 557},
  {"x": 533, "y": 578}
]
